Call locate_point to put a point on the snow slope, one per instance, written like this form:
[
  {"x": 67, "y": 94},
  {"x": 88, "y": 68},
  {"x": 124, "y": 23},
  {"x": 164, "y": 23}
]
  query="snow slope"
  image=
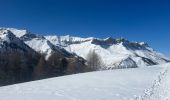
[
  {"x": 120, "y": 84},
  {"x": 160, "y": 89},
  {"x": 40, "y": 44}
]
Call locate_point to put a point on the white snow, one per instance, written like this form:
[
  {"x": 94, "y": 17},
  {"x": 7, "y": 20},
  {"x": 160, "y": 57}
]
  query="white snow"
[
  {"x": 160, "y": 90},
  {"x": 9, "y": 37},
  {"x": 108, "y": 57},
  {"x": 4, "y": 36},
  {"x": 40, "y": 45},
  {"x": 60, "y": 39},
  {"x": 120, "y": 84},
  {"x": 17, "y": 32}
]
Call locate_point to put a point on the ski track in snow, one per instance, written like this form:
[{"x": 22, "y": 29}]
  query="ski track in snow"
[{"x": 160, "y": 90}]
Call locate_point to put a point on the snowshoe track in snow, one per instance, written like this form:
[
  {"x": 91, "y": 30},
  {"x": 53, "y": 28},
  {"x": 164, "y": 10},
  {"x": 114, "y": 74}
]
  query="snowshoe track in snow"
[{"x": 160, "y": 90}]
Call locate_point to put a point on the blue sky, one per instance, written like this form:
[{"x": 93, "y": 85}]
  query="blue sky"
[{"x": 136, "y": 20}]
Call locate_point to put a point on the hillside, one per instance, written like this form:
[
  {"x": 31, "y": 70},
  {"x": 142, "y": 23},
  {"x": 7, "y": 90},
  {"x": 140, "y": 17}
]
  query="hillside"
[{"x": 121, "y": 84}]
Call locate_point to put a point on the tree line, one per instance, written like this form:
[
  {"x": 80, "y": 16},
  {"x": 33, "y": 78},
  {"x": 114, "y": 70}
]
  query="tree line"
[{"x": 17, "y": 67}]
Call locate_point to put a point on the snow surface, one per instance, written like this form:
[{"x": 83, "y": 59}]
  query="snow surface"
[
  {"x": 120, "y": 84},
  {"x": 160, "y": 90}
]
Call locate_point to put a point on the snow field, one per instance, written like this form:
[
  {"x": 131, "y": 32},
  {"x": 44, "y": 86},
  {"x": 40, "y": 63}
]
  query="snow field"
[{"x": 119, "y": 84}]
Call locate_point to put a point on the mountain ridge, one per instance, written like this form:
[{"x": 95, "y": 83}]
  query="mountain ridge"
[
  {"x": 112, "y": 51},
  {"x": 139, "y": 52}
]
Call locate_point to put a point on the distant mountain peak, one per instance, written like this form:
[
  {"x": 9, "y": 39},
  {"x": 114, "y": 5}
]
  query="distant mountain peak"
[
  {"x": 9, "y": 42},
  {"x": 7, "y": 36},
  {"x": 18, "y": 32}
]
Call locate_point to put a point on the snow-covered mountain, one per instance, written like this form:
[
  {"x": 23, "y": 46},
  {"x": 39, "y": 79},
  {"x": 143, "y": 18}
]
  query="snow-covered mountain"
[
  {"x": 9, "y": 42},
  {"x": 22, "y": 58},
  {"x": 42, "y": 45},
  {"x": 114, "y": 53},
  {"x": 37, "y": 42},
  {"x": 24, "y": 39}
]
